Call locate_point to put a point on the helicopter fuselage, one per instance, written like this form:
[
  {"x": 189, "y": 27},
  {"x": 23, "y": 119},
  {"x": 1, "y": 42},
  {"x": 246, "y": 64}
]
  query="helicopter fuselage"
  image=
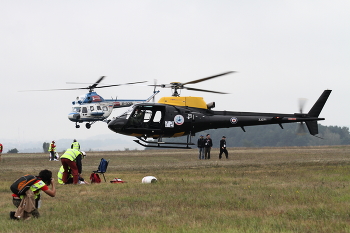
[
  {"x": 163, "y": 120},
  {"x": 92, "y": 107}
]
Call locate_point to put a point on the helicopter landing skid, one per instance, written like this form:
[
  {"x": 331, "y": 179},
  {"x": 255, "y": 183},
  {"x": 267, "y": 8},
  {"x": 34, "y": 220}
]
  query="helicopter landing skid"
[{"x": 160, "y": 144}]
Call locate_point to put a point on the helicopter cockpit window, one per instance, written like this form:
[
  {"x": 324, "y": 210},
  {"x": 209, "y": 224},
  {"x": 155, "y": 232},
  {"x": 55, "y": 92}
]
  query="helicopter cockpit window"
[
  {"x": 157, "y": 116},
  {"x": 98, "y": 108},
  {"x": 146, "y": 117},
  {"x": 76, "y": 109},
  {"x": 91, "y": 108},
  {"x": 105, "y": 108}
]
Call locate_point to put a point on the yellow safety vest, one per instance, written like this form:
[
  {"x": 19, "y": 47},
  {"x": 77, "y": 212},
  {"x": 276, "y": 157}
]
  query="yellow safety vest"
[
  {"x": 50, "y": 147},
  {"x": 60, "y": 175},
  {"x": 70, "y": 154},
  {"x": 36, "y": 188},
  {"x": 76, "y": 146}
]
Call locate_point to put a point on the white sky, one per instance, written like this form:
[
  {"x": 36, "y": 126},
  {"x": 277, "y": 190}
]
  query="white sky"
[{"x": 282, "y": 50}]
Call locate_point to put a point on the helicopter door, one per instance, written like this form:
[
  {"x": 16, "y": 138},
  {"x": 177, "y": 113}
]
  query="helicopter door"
[{"x": 155, "y": 120}]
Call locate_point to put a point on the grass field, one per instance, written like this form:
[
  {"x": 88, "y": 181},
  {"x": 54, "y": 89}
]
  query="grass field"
[{"x": 256, "y": 190}]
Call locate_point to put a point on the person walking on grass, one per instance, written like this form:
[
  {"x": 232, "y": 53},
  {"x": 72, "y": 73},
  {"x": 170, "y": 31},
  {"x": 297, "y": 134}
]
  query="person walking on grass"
[{"x": 223, "y": 147}]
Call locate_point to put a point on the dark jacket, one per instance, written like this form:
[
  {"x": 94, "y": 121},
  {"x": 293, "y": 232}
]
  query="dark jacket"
[
  {"x": 222, "y": 143},
  {"x": 208, "y": 142},
  {"x": 79, "y": 163},
  {"x": 200, "y": 142}
]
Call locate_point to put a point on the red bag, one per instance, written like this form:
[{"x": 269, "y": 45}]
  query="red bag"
[{"x": 95, "y": 178}]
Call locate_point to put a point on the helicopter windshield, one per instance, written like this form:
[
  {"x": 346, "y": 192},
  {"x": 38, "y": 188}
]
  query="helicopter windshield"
[
  {"x": 76, "y": 109},
  {"x": 127, "y": 113}
]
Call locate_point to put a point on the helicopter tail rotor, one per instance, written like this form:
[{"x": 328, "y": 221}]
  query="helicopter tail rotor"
[{"x": 301, "y": 126}]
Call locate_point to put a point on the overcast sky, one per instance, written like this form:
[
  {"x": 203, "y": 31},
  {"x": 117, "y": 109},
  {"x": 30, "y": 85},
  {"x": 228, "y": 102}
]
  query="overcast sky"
[{"x": 281, "y": 50}]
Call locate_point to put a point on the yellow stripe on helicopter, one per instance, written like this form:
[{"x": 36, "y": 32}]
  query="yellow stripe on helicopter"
[{"x": 189, "y": 101}]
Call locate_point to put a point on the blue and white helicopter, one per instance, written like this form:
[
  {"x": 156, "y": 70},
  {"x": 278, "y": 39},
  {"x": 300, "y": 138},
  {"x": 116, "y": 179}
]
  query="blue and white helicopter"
[{"x": 92, "y": 107}]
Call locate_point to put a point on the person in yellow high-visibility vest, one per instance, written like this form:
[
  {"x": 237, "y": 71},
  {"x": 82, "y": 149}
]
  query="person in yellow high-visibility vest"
[
  {"x": 52, "y": 150},
  {"x": 75, "y": 145},
  {"x": 72, "y": 159},
  {"x": 70, "y": 177}
]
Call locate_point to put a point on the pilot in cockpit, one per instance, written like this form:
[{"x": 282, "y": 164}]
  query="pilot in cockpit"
[{"x": 137, "y": 118}]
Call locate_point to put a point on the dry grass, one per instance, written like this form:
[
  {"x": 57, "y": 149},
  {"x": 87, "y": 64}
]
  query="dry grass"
[{"x": 255, "y": 190}]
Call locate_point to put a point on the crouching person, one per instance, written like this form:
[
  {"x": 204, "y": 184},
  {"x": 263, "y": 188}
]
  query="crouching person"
[
  {"x": 27, "y": 203},
  {"x": 70, "y": 177},
  {"x": 71, "y": 160}
]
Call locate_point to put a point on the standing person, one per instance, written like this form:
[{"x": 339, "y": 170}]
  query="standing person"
[
  {"x": 75, "y": 145},
  {"x": 52, "y": 150},
  {"x": 43, "y": 183},
  {"x": 71, "y": 159},
  {"x": 1, "y": 148},
  {"x": 200, "y": 145},
  {"x": 208, "y": 144},
  {"x": 223, "y": 147}
]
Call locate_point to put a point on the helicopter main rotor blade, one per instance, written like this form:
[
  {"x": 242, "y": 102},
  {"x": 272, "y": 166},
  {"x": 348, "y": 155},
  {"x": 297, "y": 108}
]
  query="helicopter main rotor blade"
[
  {"x": 83, "y": 88},
  {"x": 207, "y": 78},
  {"x": 63, "y": 89},
  {"x": 97, "y": 82},
  {"x": 196, "y": 89},
  {"x": 115, "y": 85},
  {"x": 161, "y": 85}
]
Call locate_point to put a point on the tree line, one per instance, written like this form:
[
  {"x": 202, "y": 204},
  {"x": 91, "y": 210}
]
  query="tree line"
[{"x": 274, "y": 136}]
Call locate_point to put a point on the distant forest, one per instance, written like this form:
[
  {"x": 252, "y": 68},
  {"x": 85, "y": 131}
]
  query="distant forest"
[{"x": 274, "y": 136}]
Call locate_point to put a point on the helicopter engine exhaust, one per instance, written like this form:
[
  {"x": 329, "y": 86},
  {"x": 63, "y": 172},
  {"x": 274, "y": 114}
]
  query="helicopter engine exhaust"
[{"x": 211, "y": 105}]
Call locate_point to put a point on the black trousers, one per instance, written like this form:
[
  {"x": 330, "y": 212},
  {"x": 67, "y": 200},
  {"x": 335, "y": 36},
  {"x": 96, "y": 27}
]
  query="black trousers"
[{"x": 223, "y": 151}]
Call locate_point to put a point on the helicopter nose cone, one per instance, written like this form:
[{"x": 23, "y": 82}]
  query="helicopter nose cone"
[
  {"x": 117, "y": 125},
  {"x": 73, "y": 116}
]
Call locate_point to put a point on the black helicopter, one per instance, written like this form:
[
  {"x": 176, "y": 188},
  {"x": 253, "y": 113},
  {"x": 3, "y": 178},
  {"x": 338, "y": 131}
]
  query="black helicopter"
[{"x": 177, "y": 116}]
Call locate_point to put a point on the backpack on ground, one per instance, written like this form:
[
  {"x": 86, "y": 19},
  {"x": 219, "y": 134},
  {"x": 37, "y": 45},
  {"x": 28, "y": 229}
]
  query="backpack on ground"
[
  {"x": 20, "y": 186},
  {"x": 95, "y": 178}
]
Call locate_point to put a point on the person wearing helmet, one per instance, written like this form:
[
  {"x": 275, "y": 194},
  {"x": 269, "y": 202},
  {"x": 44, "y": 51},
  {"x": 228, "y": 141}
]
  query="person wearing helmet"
[{"x": 71, "y": 159}]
